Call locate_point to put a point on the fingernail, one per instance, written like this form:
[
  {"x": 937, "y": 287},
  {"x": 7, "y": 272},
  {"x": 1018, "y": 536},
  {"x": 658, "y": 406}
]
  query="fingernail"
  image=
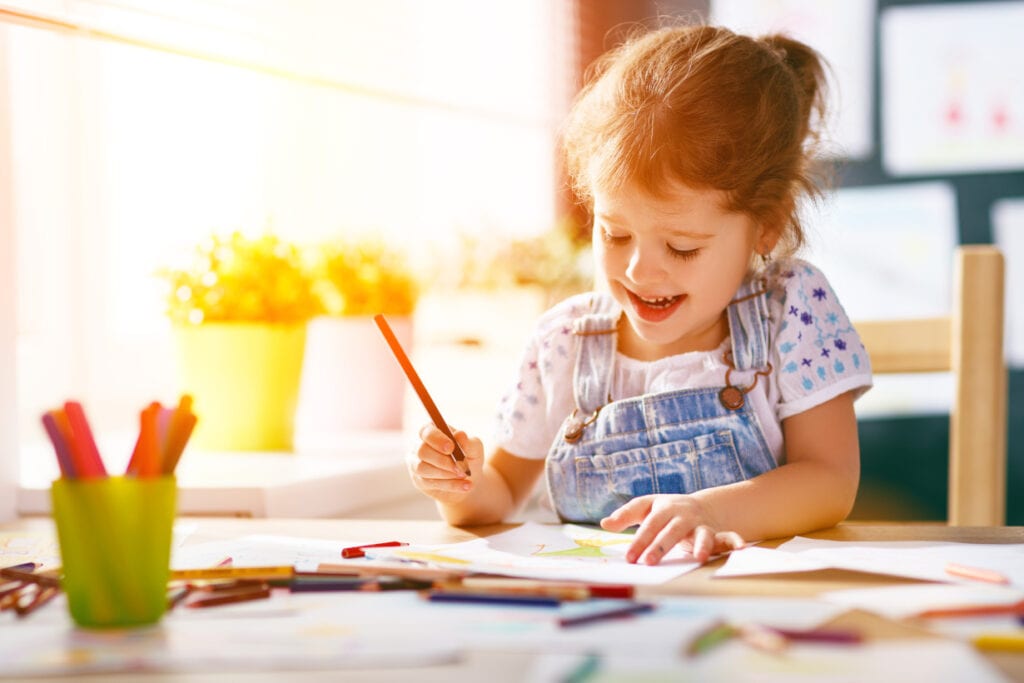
[{"x": 466, "y": 486}]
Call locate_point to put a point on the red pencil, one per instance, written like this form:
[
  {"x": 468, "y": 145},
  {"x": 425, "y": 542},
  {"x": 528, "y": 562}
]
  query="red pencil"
[{"x": 86, "y": 455}]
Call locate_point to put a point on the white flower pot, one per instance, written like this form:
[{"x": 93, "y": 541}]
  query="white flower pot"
[{"x": 350, "y": 379}]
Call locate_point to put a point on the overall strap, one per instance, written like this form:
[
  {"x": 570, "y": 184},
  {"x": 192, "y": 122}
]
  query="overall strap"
[
  {"x": 748, "y": 325},
  {"x": 596, "y": 337}
]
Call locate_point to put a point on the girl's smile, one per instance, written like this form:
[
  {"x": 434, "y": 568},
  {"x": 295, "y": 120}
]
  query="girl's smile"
[
  {"x": 655, "y": 309},
  {"x": 673, "y": 264}
]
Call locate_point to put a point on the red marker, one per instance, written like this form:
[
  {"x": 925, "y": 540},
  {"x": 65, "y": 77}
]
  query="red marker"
[{"x": 357, "y": 550}]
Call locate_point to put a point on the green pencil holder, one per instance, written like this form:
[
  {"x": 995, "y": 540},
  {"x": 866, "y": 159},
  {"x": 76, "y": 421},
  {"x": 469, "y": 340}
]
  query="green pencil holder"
[{"x": 115, "y": 546}]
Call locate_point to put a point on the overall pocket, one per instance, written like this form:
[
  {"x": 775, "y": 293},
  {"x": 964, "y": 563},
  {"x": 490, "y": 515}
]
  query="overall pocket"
[{"x": 604, "y": 482}]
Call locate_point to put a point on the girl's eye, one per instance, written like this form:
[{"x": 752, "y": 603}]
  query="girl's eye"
[
  {"x": 613, "y": 239},
  {"x": 685, "y": 254}
]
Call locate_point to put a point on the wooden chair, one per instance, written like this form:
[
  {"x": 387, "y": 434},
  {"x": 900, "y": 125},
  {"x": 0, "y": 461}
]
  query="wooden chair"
[{"x": 968, "y": 343}]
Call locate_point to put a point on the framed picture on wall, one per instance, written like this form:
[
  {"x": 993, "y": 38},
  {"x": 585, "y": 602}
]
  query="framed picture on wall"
[{"x": 951, "y": 95}]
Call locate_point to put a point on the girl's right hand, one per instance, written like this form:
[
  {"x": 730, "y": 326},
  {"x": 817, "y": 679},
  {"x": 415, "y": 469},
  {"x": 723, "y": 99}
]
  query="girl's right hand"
[{"x": 435, "y": 472}]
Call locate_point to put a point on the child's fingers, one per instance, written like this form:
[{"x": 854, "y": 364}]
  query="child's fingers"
[
  {"x": 630, "y": 514},
  {"x": 436, "y": 439},
  {"x": 671, "y": 533},
  {"x": 472, "y": 448},
  {"x": 437, "y": 450},
  {"x": 703, "y": 543},
  {"x": 728, "y": 540},
  {"x": 650, "y": 527}
]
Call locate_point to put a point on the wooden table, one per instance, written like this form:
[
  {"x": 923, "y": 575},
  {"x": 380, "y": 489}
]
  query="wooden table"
[{"x": 498, "y": 666}]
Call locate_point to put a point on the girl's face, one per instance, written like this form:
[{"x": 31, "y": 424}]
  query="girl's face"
[{"x": 673, "y": 265}]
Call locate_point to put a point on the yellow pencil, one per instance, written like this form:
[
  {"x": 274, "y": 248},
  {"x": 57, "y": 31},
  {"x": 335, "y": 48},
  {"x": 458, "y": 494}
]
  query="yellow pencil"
[
  {"x": 209, "y": 573},
  {"x": 1012, "y": 641}
]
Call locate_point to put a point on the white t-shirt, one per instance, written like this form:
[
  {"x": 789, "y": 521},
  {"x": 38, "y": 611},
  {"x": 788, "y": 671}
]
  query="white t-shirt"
[{"x": 815, "y": 355}]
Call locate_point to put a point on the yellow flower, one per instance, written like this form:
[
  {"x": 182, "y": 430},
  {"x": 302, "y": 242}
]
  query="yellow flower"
[
  {"x": 365, "y": 277},
  {"x": 235, "y": 278}
]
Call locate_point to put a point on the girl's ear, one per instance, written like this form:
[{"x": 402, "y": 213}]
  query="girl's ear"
[{"x": 767, "y": 237}]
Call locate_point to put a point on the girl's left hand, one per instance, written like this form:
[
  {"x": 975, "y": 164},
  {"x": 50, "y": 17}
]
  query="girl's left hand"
[{"x": 667, "y": 520}]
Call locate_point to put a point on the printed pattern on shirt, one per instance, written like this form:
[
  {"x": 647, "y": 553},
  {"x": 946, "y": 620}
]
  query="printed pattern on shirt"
[{"x": 816, "y": 343}]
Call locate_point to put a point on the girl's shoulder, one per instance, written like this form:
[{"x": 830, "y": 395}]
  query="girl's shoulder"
[
  {"x": 560, "y": 317},
  {"x": 787, "y": 278},
  {"x": 818, "y": 353}
]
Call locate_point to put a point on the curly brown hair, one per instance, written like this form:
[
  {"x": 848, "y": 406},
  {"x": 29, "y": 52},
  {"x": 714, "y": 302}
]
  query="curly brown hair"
[{"x": 708, "y": 108}]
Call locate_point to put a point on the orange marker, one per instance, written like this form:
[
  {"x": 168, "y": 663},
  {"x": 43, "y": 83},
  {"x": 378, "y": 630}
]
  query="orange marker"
[
  {"x": 149, "y": 441},
  {"x": 183, "y": 421},
  {"x": 145, "y": 460}
]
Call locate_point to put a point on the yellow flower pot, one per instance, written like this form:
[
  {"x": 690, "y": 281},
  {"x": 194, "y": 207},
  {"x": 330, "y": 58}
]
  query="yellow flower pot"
[{"x": 244, "y": 379}]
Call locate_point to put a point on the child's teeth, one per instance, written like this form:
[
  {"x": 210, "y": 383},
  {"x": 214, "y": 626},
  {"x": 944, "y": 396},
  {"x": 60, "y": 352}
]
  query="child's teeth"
[{"x": 660, "y": 302}]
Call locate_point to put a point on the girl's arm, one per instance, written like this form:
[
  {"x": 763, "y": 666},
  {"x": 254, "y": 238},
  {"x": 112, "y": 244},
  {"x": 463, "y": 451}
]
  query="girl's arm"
[
  {"x": 496, "y": 488},
  {"x": 814, "y": 489}
]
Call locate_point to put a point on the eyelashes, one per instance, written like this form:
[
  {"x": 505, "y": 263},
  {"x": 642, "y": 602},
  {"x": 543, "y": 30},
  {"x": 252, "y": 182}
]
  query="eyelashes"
[{"x": 683, "y": 254}]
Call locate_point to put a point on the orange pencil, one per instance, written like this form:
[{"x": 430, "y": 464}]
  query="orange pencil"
[
  {"x": 976, "y": 573},
  {"x": 973, "y": 611}
]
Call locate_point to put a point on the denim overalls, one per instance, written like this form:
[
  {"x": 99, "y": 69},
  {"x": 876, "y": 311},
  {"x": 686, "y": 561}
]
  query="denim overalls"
[{"x": 609, "y": 452}]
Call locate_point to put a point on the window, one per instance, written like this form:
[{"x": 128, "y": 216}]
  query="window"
[{"x": 137, "y": 127}]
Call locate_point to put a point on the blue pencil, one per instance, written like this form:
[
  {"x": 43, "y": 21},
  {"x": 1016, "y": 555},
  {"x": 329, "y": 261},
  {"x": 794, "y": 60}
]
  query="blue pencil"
[
  {"x": 612, "y": 612},
  {"x": 494, "y": 599}
]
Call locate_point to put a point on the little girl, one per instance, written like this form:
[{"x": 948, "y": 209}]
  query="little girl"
[{"x": 705, "y": 391}]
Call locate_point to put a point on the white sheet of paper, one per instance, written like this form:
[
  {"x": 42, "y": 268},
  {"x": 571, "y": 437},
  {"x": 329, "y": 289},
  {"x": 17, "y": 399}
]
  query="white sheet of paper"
[
  {"x": 354, "y": 629},
  {"x": 899, "y": 602},
  {"x": 261, "y": 550},
  {"x": 911, "y": 559},
  {"x": 900, "y": 660},
  {"x": 544, "y": 551}
]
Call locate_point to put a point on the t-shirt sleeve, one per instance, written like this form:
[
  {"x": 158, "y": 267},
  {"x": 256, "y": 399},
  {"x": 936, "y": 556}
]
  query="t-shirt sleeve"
[
  {"x": 819, "y": 354},
  {"x": 532, "y": 410}
]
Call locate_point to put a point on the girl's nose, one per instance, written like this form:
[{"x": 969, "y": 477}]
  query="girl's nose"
[{"x": 645, "y": 266}]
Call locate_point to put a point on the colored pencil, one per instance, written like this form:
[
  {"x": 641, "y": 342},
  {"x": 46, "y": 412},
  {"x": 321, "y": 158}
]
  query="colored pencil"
[
  {"x": 458, "y": 457},
  {"x": 569, "y": 589},
  {"x": 603, "y": 615},
  {"x": 42, "y": 596},
  {"x": 210, "y": 573},
  {"x": 820, "y": 635},
  {"x": 715, "y": 634},
  {"x": 494, "y": 599},
  {"x": 973, "y": 610},
  {"x": 257, "y": 592},
  {"x": 1010, "y": 641},
  {"x": 41, "y": 579},
  {"x": 408, "y": 571},
  {"x": 976, "y": 573},
  {"x": 88, "y": 462}
]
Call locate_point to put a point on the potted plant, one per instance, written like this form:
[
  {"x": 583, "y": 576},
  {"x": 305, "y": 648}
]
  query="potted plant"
[
  {"x": 350, "y": 379},
  {"x": 239, "y": 308}
]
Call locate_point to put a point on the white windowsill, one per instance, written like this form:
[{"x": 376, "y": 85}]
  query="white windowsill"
[{"x": 336, "y": 477}]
